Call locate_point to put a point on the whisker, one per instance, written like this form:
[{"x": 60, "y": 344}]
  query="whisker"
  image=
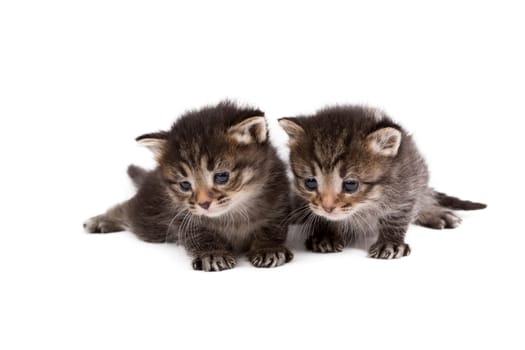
[{"x": 171, "y": 223}]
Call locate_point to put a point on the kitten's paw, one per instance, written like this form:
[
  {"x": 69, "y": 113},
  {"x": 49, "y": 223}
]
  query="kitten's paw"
[
  {"x": 270, "y": 257},
  {"x": 324, "y": 244},
  {"x": 438, "y": 219},
  {"x": 386, "y": 250},
  {"x": 214, "y": 261},
  {"x": 101, "y": 224}
]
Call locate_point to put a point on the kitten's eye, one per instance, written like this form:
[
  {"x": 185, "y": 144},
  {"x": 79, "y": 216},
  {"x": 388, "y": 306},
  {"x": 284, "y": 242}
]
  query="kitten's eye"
[
  {"x": 310, "y": 184},
  {"x": 351, "y": 186},
  {"x": 221, "y": 178},
  {"x": 185, "y": 185}
]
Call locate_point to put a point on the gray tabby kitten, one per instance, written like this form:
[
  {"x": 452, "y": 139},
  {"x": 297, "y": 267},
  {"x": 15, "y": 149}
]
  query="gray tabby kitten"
[
  {"x": 361, "y": 179},
  {"x": 219, "y": 188}
]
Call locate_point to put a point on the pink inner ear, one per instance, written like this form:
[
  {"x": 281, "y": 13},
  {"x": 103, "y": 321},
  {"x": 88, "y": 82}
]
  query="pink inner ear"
[
  {"x": 155, "y": 145},
  {"x": 255, "y": 132},
  {"x": 385, "y": 141},
  {"x": 294, "y": 131},
  {"x": 390, "y": 142},
  {"x": 250, "y": 130}
]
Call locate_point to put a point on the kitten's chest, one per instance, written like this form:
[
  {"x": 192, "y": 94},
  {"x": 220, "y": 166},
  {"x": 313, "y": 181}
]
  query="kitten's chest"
[
  {"x": 239, "y": 233},
  {"x": 361, "y": 232}
]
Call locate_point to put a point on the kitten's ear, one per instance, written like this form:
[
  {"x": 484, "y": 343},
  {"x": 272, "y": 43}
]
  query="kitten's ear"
[
  {"x": 155, "y": 141},
  {"x": 251, "y": 130},
  {"x": 384, "y": 141},
  {"x": 294, "y": 130}
]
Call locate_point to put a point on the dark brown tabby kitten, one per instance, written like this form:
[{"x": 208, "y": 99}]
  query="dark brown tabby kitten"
[
  {"x": 361, "y": 180},
  {"x": 219, "y": 188}
]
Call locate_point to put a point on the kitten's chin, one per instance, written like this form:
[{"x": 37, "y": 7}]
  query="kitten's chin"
[{"x": 331, "y": 216}]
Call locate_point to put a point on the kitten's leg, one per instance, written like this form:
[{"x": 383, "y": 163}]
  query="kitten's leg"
[
  {"x": 114, "y": 220},
  {"x": 432, "y": 215},
  {"x": 209, "y": 251},
  {"x": 390, "y": 243},
  {"x": 268, "y": 249},
  {"x": 324, "y": 238},
  {"x": 437, "y": 217}
]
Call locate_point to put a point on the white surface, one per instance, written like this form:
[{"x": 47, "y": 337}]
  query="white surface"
[{"x": 79, "y": 81}]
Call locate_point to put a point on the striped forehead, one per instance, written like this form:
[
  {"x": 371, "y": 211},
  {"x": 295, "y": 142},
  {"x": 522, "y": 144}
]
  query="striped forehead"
[
  {"x": 191, "y": 164},
  {"x": 195, "y": 155},
  {"x": 198, "y": 173},
  {"x": 329, "y": 154}
]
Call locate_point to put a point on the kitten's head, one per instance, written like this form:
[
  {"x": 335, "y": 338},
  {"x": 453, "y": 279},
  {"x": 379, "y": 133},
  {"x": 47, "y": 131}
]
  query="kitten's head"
[
  {"x": 213, "y": 159},
  {"x": 341, "y": 158}
]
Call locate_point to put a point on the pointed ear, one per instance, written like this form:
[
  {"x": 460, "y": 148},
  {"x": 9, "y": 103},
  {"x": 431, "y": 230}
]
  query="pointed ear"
[
  {"x": 294, "y": 130},
  {"x": 251, "y": 130},
  {"x": 384, "y": 141},
  {"x": 156, "y": 142}
]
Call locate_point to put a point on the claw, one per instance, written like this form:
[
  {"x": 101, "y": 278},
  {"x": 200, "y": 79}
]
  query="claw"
[
  {"x": 216, "y": 261},
  {"x": 270, "y": 257},
  {"x": 382, "y": 250},
  {"x": 324, "y": 244}
]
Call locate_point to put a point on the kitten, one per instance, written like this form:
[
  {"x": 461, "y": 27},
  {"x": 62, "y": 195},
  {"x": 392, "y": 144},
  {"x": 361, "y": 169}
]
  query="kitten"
[
  {"x": 360, "y": 179},
  {"x": 219, "y": 188}
]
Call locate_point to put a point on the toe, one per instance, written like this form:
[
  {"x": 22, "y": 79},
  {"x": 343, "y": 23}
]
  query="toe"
[
  {"x": 388, "y": 252},
  {"x": 452, "y": 220},
  {"x": 401, "y": 251},
  {"x": 206, "y": 263},
  {"x": 270, "y": 258}
]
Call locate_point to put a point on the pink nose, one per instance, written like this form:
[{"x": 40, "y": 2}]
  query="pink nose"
[
  {"x": 328, "y": 209},
  {"x": 205, "y": 205}
]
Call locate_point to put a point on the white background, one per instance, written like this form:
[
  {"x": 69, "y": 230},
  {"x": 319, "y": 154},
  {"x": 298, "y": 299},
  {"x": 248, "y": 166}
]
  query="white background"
[{"x": 80, "y": 80}]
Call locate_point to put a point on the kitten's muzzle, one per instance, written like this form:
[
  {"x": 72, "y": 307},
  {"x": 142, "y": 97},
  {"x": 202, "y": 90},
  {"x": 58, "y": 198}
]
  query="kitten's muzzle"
[
  {"x": 205, "y": 204},
  {"x": 328, "y": 202},
  {"x": 328, "y": 208}
]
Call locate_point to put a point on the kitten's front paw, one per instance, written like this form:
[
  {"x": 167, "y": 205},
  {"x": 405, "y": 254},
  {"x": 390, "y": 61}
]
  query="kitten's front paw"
[
  {"x": 324, "y": 244},
  {"x": 387, "y": 250},
  {"x": 101, "y": 224},
  {"x": 214, "y": 261},
  {"x": 270, "y": 257}
]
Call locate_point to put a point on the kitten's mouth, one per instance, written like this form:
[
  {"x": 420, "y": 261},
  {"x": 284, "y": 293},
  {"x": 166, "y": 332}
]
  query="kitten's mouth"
[
  {"x": 335, "y": 215},
  {"x": 215, "y": 209},
  {"x": 212, "y": 212}
]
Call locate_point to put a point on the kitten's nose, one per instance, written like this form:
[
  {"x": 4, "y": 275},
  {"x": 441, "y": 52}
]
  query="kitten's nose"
[
  {"x": 205, "y": 205},
  {"x": 329, "y": 209}
]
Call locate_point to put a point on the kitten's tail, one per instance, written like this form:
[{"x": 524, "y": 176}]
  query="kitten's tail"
[
  {"x": 137, "y": 175},
  {"x": 456, "y": 203}
]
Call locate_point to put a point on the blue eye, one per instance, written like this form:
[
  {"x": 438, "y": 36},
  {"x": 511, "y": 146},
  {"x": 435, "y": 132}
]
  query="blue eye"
[
  {"x": 310, "y": 184},
  {"x": 351, "y": 186},
  {"x": 185, "y": 185},
  {"x": 221, "y": 178}
]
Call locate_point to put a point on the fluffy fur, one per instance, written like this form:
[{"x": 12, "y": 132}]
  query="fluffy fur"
[
  {"x": 219, "y": 188},
  {"x": 361, "y": 180}
]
